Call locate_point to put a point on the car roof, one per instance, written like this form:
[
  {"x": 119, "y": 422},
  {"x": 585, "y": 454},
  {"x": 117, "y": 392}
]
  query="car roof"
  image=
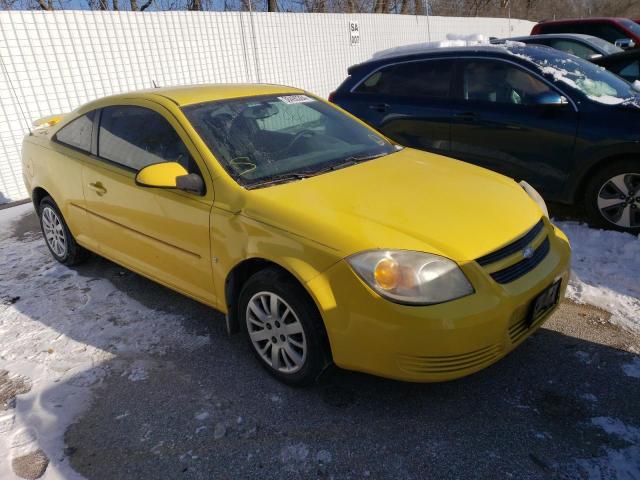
[
  {"x": 575, "y": 36},
  {"x": 193, "y": 94},
  {"x": 583, "y": 20},
  {"x": 452, "y": 52}
]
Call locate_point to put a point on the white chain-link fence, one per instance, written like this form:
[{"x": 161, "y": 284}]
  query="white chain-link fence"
[{"x": 52, "y": 62}]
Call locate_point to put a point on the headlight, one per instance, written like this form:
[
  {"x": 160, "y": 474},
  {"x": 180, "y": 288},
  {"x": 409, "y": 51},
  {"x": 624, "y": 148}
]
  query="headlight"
[
  {"x": 408, "y": 277},
  {"x": 535, "y": 196}
]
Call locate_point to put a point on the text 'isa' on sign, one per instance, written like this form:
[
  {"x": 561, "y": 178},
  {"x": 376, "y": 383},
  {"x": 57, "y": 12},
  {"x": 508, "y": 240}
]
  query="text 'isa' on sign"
[{"x": 354, "y": 32}]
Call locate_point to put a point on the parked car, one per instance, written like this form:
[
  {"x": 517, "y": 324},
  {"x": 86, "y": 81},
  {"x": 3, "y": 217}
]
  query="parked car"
[
  {"x": 625, "y": 64},
  {"x": 318, "y": 237},
  {"x": 583, "y": 46},
  {"x": 622, "y": 32},
  {"x": 565, "y": 125}
]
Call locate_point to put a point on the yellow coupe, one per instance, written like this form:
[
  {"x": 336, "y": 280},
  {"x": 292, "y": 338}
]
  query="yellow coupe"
[{"x": 318, "y": 237}]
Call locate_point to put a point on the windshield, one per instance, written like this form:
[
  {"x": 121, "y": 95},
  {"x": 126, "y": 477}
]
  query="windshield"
[
  {"x": 268, "y": 138},
  {"x": 596, "y": 83},
  {"x": 630, "y": 25}
]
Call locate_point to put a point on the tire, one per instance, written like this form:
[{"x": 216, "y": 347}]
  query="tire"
[
  {"x": 612, "y": 197},
  {"x": 293, "y": 341},
  {"x": 57, "y": 236}
]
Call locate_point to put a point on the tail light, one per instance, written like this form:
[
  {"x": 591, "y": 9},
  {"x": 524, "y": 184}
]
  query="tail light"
[{"x": 332, "y": 96}]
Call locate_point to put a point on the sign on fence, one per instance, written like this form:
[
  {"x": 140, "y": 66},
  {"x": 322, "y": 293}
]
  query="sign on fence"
[{"x": 354, "y": 32}]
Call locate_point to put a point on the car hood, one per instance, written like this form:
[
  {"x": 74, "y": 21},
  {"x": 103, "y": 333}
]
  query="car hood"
[{"x": 406, "y": 200}]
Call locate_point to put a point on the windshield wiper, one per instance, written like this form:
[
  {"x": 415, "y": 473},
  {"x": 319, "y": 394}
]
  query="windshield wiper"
[
  {"x": 290, "y": 176},
  {"x": 281, "y": 178}
]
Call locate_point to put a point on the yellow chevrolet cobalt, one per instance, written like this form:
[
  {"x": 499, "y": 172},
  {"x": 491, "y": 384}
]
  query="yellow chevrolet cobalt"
[{"x": 319, "y": 239}]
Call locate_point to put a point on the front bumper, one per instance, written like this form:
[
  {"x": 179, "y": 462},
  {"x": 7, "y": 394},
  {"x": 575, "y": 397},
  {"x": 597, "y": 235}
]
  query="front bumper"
[{"x": 438, "y": 342}]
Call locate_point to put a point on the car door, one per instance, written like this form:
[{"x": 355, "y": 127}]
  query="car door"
[
  {"x": 161, "y": 233},
  {"x": 499, "y": 124},
  {"x": 408, "y": 102}
]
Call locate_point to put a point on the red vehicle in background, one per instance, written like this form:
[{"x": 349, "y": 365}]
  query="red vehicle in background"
[{"x": 623, "y": 32}]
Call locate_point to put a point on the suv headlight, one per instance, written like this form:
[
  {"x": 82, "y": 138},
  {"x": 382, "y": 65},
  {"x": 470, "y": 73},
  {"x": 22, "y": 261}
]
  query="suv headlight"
[
  {"x": 535, "y": 196},
  {"x": 409, "y": 277}
]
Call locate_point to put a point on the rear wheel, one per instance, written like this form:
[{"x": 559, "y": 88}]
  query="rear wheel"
[
  {"x": 57, "y": 236},
  {"x": 283, "y": 327},
  {"x": 612, "y": 197}
]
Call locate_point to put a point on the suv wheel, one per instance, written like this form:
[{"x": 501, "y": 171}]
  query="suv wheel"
[{"x": 613, "y": 197}]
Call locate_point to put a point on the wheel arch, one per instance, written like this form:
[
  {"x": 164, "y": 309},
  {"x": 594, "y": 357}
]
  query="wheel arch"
[
  {"x": 37, "y": 195},
  {"x": 237, "y": 277},
  {"x": 583, "y": 180}
]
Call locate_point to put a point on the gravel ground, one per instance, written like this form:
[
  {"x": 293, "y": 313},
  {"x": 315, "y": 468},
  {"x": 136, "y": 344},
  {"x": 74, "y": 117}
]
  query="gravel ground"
[{"x": 563, "y": 405}]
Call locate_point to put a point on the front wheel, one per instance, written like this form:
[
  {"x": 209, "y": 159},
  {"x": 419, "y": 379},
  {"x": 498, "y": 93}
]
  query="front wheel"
[
  {"x": 283, "y": 327},
  {"x": 612, "y": 197}
]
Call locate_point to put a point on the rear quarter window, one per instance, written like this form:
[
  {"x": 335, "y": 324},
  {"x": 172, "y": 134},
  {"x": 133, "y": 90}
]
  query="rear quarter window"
[
  {"x": 77, "y": 133},
  {"x": 416, "y": 79}
]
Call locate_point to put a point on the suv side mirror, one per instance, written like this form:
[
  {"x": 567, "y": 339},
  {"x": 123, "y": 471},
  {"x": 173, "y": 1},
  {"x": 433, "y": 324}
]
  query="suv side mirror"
[
  {"x": 551, "y": 98},
  {"x": 625, "y": 43}
]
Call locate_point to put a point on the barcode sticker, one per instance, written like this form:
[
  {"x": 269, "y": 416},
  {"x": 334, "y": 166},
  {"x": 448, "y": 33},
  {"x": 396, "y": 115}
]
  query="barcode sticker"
[{"x": 290, "y": 99}]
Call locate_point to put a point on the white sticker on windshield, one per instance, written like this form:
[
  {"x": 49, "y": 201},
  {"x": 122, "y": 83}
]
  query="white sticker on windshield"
[{"x": 290, "y": 99}]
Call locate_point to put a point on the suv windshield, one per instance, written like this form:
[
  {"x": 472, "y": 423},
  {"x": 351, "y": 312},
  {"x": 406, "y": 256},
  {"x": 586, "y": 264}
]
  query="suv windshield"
[
  {"x": 265, "y": 139},
  {"x": 630, "y": 25},
  {"x": 593, "y": 81}
]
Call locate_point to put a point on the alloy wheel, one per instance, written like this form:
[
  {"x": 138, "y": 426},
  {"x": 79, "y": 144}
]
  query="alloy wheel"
[
  {"x": 276, "y": 332},
  {"x": 619, "y": 200},
  {"x": 54, "y": 231}
]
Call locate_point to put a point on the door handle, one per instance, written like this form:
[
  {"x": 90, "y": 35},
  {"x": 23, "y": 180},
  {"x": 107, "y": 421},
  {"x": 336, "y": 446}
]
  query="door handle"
[
  {"x": 380, "y": 107},
  {"x": 98, "y": 188},
  {"x": 466, "y": 116}
]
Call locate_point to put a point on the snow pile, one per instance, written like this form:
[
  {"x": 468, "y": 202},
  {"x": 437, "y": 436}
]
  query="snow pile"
[
  {"x": 58, "y": 330},
  {"x": 606, "y": 272}
]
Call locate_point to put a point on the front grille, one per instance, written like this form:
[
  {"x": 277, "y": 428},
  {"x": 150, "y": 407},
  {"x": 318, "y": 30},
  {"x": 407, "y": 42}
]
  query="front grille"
[
  {"x": 512, "y": 247},
  {"x": 449, "y": 363},
  {"x": 521, "y": 266}
]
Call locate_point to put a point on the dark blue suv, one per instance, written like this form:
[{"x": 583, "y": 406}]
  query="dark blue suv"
[{"x": 568, "y": 127}]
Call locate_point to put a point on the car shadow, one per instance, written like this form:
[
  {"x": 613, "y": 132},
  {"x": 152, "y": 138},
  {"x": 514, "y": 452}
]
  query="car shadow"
[{"x": 208, "y": 410}]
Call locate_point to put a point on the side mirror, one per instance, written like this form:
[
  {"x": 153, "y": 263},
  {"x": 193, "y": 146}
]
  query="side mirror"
[
  {"x": 170, "y": 175},
  {"x": 551, "y": 98},
  {"x": 625, "y": 43}
]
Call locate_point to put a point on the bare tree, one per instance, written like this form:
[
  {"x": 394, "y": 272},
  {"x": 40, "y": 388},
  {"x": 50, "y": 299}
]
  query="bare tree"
[{"x": 46, "y": 4}]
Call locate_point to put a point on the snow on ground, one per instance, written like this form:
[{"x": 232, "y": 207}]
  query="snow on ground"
[
  {"x": 615, "y": 463},
  {"x": 57, "y": 331},
  {"x": 606, "y": 272}
]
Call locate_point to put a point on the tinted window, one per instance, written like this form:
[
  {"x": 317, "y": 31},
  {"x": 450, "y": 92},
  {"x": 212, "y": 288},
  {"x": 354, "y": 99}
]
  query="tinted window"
[
  {"x": 574, "y": 48},
  {"x": 604, "y": 30},
  {"x": 136, "y": 137},
  {"x": 427, "y": 79},
  {"x": 78, "y": 133},
  {"x": 500, "y": 82},
  {"x": 629, "y": 71},
  {"x": 259, "y": 139}
]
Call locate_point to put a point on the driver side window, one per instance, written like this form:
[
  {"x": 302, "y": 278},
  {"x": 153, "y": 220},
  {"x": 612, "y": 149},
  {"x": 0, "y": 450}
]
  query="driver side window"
[
  {"x": 136, "y": 137},
  {"x": 500, "y": 82}
]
